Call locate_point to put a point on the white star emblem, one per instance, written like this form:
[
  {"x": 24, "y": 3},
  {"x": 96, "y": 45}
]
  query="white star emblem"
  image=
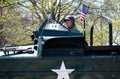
[{"x": 63, "y": 73}]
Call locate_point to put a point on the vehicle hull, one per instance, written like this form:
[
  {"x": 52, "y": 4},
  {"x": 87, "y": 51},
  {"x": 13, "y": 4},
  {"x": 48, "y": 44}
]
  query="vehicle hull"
[{"x": 85, "y": 67}]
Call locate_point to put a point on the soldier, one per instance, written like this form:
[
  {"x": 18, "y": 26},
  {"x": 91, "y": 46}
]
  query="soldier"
[{"x": 70, "y": 23}]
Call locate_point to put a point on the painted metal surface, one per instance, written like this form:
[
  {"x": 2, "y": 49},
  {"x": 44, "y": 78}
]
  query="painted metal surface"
[{"x": 84, "y": 67}]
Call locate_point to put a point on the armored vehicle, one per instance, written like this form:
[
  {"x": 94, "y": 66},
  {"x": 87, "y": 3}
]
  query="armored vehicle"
[{"x": 62, "y": 54}]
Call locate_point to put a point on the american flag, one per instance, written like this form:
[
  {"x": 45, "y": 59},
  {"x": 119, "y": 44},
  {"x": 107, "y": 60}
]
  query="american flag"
[{"x": 84, "y": 12}]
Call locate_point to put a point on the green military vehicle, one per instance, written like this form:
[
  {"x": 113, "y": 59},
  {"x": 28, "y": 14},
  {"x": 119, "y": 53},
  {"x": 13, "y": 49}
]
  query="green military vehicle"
[{"x": 62, "y": 54}]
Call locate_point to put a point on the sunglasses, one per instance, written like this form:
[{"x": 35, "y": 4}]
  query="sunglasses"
[{"x": 67, "y": 20}]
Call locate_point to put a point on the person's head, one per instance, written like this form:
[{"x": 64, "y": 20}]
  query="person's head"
[{"x": 69, "y": 21}]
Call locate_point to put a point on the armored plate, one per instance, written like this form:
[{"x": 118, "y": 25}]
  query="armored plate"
[{"x": 82, "y": 67}]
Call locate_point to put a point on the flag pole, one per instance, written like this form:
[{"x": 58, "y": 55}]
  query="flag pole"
[
  {"x": 82, "y": 16},
  {"x": 84, "y": 28}
]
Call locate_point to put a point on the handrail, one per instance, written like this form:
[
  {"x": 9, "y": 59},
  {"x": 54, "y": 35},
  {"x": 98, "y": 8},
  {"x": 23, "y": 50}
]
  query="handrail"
[{"x": 110, "y": 30}]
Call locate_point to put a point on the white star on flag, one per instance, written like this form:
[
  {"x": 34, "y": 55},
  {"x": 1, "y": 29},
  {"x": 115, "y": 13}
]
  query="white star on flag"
[{"x": 63, "y": 73}]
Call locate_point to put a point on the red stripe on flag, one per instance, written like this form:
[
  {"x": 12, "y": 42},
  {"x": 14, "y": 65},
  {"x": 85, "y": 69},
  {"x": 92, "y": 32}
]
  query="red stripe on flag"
[{"x": 82, "y": 16}]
